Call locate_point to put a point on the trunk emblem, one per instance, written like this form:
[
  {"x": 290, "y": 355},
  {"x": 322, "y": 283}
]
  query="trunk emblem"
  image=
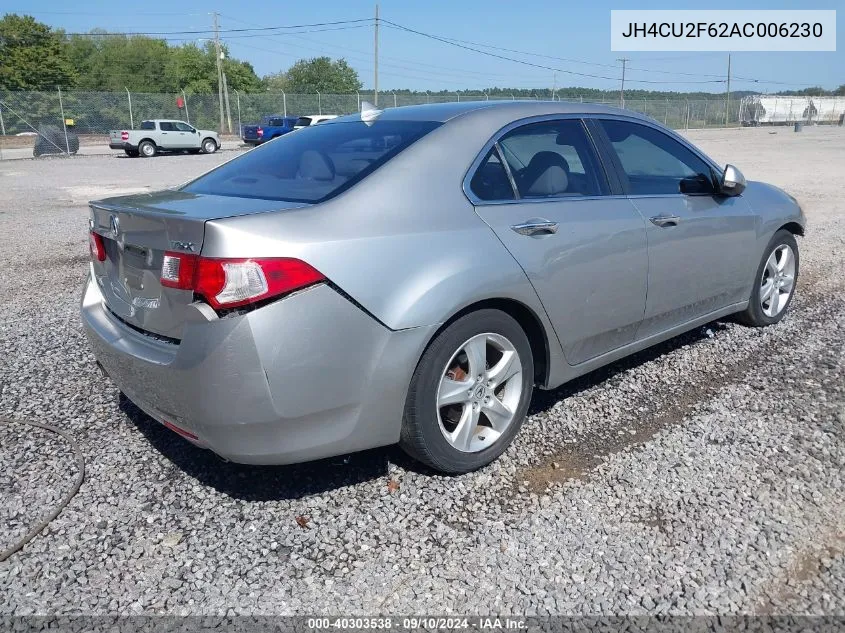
[
  {"x": 114, "y": 224},
  {"x": 182, "y": 246}
]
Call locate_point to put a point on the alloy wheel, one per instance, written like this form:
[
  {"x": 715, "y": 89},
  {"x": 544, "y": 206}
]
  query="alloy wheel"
[
  {"x": 778, "y": 280},
  {"x": 479, "y": 392}
]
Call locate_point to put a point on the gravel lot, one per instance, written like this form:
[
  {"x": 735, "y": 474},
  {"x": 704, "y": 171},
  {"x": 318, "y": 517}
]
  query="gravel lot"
[{"x": 701, "y": 477}]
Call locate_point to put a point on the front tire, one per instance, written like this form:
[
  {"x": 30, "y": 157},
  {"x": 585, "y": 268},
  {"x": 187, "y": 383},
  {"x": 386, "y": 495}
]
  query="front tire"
[
  {"x": 147, "y": 149},
  {"x": 469, "y": 394},
  {"x": 209, "y": 146},
  {"x": 774, "y": 283}
]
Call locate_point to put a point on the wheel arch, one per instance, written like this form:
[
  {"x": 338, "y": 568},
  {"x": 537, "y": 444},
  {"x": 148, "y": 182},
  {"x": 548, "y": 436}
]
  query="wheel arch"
[
  {"x": 793, "y": 227},
  {"x": 148, "y": 140},
  {"x": 526, "y": 318}
]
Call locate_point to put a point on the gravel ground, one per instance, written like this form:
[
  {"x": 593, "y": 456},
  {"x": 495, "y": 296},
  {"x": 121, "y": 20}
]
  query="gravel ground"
[{"x": 704, "y": 476}]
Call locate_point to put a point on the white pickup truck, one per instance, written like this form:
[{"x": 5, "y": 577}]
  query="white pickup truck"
[{"x": 164, "y": 135}]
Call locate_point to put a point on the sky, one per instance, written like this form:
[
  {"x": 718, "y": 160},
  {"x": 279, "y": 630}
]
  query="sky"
[{"x": 575, "y": 31}]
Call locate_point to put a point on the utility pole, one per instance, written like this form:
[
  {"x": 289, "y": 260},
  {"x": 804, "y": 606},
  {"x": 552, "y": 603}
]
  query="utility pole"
[
  {"x": 554, "y": 86},
  {"x": 219, "y": 69},
  {"x": 728, "y": 93},
  {"x": 624, "y": 61},
  {"x": 375, "y": 64}
]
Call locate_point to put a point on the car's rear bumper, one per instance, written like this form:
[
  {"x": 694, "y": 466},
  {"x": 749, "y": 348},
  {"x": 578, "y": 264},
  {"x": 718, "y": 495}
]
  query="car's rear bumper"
[
  {"x": 122, "y": 145},
  {"x": 306, "y": 377}
]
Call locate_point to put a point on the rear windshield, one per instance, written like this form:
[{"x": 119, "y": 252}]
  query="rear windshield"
[
  {"x": 304, "y": 121},
  {"x": 312, "y": 164},
  {"x": 148, "y": 125}
]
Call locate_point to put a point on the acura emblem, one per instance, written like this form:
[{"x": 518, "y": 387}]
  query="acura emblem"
[{"x": 115, "y": 225}]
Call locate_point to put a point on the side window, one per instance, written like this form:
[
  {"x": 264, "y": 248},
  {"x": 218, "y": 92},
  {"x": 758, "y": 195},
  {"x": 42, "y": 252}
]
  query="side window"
[
  {"x": 655, "y": 163},
  {"x": 166, "y": 126},
  {"x": 491, "y": 181},
  {"x": 551, "y": 159},
  {"x": 183, "y": 127}
]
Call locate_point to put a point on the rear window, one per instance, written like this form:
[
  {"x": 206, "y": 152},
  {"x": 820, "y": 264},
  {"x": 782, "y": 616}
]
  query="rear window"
[
  {"x": 148, "y": 125},
  {"x": 304, "y": 121},
  {"x": 313, "y": 164},
  {"x": 276, "y": 122}
]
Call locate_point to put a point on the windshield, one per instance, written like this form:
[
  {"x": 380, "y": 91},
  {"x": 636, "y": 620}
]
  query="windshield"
[{"x": 313, "y": 164}]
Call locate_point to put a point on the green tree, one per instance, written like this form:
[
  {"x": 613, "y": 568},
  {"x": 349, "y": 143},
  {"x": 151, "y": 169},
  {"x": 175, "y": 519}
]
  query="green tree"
[
  {"x": 319, "y": 74},
  {"x": 32, "y": 55}
]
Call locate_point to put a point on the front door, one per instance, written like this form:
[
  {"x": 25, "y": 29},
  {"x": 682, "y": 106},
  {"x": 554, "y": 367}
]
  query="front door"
[
  {"x": 543, "y": 191},
  {"x": 188, "y": 137},
  {"x": 700, "y": 243}
]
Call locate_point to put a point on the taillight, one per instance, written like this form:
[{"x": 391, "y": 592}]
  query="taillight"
[
  {"x": 260, "y": 132},
  {"x": 98, "y": 249},
  {"x": 124, "y": 136},
  {"x": 229, "y": 283}
]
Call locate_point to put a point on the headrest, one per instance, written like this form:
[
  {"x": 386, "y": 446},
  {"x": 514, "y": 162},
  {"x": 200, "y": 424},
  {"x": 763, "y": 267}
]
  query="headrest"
[
  {"x": 546, "y": 175},
  {"x": 314, "y": 165}
]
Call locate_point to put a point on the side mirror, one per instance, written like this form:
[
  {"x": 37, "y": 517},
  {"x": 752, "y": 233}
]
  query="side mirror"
[{"x": 733, "y": 182}]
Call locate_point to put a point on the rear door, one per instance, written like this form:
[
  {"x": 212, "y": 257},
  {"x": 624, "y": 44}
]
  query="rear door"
[
  {"x": 700, "y": 242},
  {"x": 542, "y": 188},
  {"x": 168, "y": 135}
]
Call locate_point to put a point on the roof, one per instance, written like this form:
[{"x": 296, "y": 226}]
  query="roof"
[{"x": 518, "y": 109}]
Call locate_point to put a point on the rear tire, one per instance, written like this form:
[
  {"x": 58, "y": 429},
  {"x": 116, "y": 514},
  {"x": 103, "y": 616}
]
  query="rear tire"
[
  {"x": 469, "y": 394},
  {"x": 209, "y": 146},
  {"x": 132, "y": 153},
  {"x": 774, "y": 282},
  {"x": 147, "y": 149}
]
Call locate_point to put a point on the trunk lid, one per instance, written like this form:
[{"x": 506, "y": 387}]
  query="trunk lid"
[
  {"x": 136, "y": 232},
  {"x": 116, "y": 136}
]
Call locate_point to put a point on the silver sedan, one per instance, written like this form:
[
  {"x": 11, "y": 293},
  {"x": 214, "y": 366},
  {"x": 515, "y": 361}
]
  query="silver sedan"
[{"x": 411, "y": 275}]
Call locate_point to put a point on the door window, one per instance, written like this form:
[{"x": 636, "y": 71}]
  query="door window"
[
  {"x": 183, "y": 127},
  {"x": 166, "y": 126},
  {"x": 655, "y": 163},
  {"x": 552, "y": 159}
]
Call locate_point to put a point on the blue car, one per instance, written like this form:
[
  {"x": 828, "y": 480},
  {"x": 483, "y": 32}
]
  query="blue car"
[{"x": 271, "y": 127}]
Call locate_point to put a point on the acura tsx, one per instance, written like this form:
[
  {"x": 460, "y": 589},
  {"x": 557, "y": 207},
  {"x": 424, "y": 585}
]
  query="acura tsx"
[{"x": 411, "y": 275}]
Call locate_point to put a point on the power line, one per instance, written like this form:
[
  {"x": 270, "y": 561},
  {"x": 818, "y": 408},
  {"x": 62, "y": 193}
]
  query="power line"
[
  {"x": 527, "y": 63},
  {"x": 211, "y": 31}
]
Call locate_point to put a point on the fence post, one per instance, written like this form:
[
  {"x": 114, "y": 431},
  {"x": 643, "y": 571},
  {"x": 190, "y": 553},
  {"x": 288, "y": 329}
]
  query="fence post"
[
  {"x": 705, "y": 112},
  {"x": 185, "y": 101},
  {"x": 319, "y": 103},
  {"x": 240, "y": 127},
  {"x": 666, "y": 116},
  {"x": 512, "y": 97},
  {"x": 359, "y": 100},
  {"x": 129, "y": 96},
  {"x": 394, "y": 99},
  {"x": 64, "y": 122},
  {"x": 2, "y": 125}
]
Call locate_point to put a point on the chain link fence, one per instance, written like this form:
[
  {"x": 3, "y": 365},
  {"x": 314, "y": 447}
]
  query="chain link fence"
[{"x": 99, "y": 112}]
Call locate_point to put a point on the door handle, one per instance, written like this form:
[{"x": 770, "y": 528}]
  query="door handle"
[
  {"x": 665, "y": 220},
  {"x": 535, "y": 226}
]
